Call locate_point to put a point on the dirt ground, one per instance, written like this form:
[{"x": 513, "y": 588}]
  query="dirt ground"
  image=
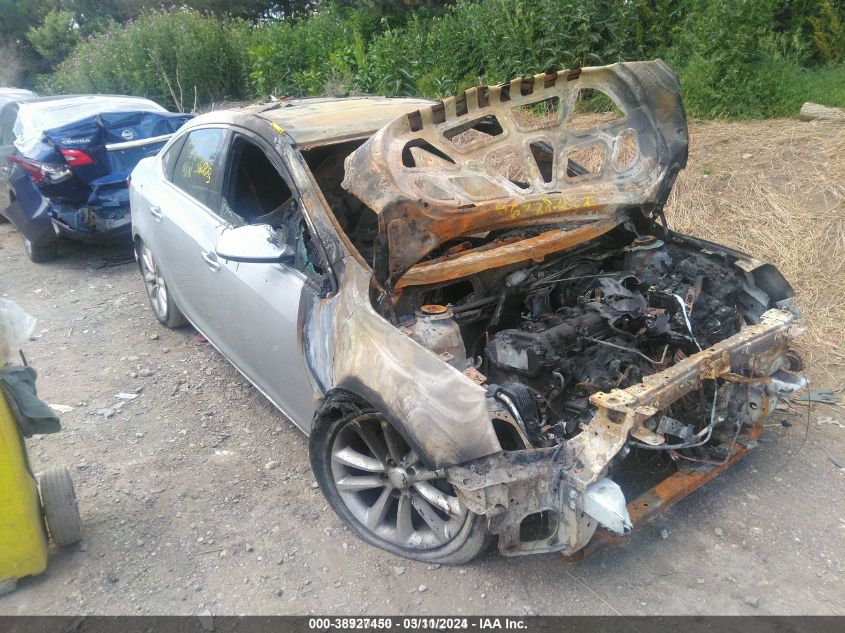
[{"x": 185, "y": 514}]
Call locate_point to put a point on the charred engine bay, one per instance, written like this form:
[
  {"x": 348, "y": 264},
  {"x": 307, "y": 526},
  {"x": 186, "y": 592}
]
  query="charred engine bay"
[{"x": 544, "y": 337}]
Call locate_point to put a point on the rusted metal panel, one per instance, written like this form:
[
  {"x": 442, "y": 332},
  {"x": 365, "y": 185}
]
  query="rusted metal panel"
[
  {"x": 427, "y": 188},
  {"x": 662, "y": 496},
  {"x": 471, "y": 262},
  {"x": 507, "y": 487},
  {"x": 319, "y": 121}
]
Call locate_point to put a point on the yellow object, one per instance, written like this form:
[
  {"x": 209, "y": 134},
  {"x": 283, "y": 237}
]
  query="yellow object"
[{"x": 23, "y": 538}]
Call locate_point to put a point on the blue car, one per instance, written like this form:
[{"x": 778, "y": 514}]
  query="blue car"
[{"x": 66, "y": 162}]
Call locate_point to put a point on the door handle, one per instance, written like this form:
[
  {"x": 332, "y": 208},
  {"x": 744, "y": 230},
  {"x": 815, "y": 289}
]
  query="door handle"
[
  {"x": 211, "y": 260},
  {"x": 157, "y": 213}
]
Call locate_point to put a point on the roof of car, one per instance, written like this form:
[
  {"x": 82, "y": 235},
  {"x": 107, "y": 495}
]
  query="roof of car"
[
  {"x": 15, "y": 91},
  {"x": 15, "y": 94},
  {"x": 321, "y": 121},
  {"x": 29, "y": 99}
]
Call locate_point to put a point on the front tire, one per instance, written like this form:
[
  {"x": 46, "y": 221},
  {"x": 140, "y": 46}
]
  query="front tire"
[
  {"x": 380, "y": 488},
  {"x": 164, "y": 308}
]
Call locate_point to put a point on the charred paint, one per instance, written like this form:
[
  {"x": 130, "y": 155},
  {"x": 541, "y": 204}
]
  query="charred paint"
[{"x": 445, "y": 190}]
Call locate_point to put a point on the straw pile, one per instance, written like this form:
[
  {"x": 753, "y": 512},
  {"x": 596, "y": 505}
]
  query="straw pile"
[{"x": 776, "y": 189}]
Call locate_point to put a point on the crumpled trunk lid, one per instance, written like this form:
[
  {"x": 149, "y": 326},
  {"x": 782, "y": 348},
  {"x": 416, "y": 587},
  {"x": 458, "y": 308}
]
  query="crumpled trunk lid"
[
  {"x": 101, "y": 137},
  {"x": 498, "y": 157}
]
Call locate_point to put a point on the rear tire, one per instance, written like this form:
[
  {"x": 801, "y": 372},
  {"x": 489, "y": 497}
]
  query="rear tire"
[
  {"x": 43, "y": 253},
  {"x": 163, "y": 305},
  {"x": 10, "y": 200},
  {"x": 61, "y": 511},
  {"x": 387, "y": 496}
]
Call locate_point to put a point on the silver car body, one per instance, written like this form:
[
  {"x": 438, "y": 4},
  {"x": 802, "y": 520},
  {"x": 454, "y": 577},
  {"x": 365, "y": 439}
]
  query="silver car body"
[
  {"x": 232, "y": 303},
  {"x": 310, "y": 342}
]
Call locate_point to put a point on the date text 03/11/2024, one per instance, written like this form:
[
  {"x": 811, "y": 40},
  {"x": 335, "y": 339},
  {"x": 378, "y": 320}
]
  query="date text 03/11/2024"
[{"x": 417, "y": 623}]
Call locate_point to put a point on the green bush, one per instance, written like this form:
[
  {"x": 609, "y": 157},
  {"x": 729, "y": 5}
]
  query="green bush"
[
  {"x": 168, "y": 56},
  {"x": 495, "y": 40},
  {"x": 828, "y": 31},
  {"x": 736, "y": 58},
  {"x": 305, "y": 57},
  {"x": 742, "y": 58},
  {"x": 56, "y": 37},
  {"x": 736, "y": 62}
]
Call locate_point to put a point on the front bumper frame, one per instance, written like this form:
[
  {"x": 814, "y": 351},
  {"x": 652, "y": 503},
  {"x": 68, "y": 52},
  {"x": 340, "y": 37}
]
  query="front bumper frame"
[{"x": 510, "y": 486}]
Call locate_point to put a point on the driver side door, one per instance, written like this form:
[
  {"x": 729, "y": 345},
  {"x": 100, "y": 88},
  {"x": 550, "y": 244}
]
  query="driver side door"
[{"x": 262, "y": 305}]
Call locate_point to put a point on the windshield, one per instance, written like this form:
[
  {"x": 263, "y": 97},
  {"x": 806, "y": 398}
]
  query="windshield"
[{"x": 357, "y": 221}]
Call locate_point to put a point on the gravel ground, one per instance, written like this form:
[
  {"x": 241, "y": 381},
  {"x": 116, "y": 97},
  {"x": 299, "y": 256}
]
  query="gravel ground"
[{"x": 197, "y": 495}]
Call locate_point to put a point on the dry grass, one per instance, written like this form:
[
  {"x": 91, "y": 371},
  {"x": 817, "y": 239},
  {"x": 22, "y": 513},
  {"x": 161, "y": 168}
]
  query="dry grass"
[{"x": 776, "y": 189}]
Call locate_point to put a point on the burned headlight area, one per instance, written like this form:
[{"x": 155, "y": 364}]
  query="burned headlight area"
[{"x": 683, "y": 337}]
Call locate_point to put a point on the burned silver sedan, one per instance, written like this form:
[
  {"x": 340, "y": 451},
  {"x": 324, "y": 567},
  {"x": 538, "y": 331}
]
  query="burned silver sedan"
[{"x": 474, "y": 307}]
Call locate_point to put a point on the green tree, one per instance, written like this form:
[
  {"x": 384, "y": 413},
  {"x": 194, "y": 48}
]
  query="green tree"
[
  {"x": 173, "y": 57},
  {"x": 17, "y": 16},
  {"x": 57, "y": 36},
  {"x": 828, "y": 31},
  {"x": 20, "y": 61}
]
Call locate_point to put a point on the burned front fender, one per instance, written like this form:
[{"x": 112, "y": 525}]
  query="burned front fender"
[{"x": 441, "y": 413}]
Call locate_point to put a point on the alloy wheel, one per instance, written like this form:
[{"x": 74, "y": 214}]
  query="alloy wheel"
[
  {"x": 389, "y": 490},
  {"x": 154, "y": 282}
]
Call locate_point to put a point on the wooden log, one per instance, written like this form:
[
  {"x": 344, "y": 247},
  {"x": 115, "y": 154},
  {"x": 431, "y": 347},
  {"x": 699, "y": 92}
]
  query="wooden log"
[{"x": 816, "y": 112}]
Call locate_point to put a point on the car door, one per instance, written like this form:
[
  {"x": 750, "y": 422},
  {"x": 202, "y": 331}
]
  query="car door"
[
  {"x": 260, "y": 308},
  {"x": 7, "y": 139},
  {"x": 185, "y": 227}
]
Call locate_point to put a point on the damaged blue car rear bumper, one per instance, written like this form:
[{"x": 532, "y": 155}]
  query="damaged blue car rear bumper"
[{"x": 92, "y": 225}]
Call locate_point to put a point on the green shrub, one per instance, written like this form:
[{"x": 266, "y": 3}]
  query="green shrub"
[
  {"x": 56, "y": 37},
  {"x": 829, "y": 31},
  {"x": 734, "y": 63},
  {"x": 300, "y": 58},
  {"x": 495, "y": 40},
  {"x": 168, "y": 56},
  {"x": 736, "y": 58}
]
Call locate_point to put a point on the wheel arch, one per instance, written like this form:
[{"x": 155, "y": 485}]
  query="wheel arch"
[
  {"x": 356, "y": 398},
  {"x": 136, "y": 245}
]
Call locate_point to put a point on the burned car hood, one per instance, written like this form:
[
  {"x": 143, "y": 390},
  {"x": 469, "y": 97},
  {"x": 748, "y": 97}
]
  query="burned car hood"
[{"x": 511, "y": 155}]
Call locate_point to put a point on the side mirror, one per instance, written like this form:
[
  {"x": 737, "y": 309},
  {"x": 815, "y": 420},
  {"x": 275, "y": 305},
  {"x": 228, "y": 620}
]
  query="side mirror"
[{"x": 255, "y": 243}]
